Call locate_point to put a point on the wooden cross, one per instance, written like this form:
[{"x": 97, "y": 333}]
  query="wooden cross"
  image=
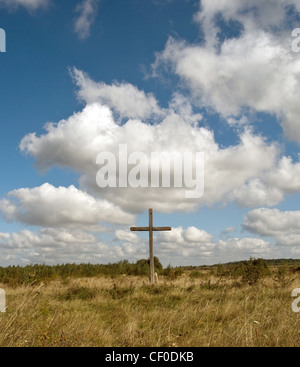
[{"x": 150, "y": 229}]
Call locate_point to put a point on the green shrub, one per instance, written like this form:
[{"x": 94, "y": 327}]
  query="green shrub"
[
  {"x": 253, "y": 270},
  {"x": 119, "y": 293},
  {"x": 282, "y": 275},
  {"x": 172, "y": 273},
  {"x": 82, "y": 293},
  {"x": 196, "y": 274}
]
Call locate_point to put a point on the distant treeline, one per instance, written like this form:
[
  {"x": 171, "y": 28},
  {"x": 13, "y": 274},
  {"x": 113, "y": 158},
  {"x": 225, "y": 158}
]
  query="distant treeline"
[
  {"x": 269, "y": 262},
  {"x": 251, "y": 270},
  {"x": 16, "y": 275},
  {"x": 276, "y": 262}
]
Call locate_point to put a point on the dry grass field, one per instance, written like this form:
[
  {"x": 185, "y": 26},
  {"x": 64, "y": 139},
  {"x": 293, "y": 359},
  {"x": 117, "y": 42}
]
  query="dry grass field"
[{"x": 202, "y": 311}]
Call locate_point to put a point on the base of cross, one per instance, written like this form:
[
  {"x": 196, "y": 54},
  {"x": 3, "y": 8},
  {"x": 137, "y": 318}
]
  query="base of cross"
[
  {"x": 151, "y": 229},
  {"x": 155, "y": 278}
]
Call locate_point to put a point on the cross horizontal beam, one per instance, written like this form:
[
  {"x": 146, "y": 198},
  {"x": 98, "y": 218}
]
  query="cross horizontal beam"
[{"x": 147, "y": 229}]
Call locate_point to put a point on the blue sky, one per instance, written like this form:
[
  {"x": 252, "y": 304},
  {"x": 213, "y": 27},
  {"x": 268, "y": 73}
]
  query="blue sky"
[{"x": 189, "y": 75}]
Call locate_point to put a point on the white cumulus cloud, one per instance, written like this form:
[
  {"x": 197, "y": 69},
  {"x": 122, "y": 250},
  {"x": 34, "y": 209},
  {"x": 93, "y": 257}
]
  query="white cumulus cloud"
[
  {"x": 256, "y": 70},
  {"x": 58, "y": 207},
  {"x": 284, "y": 226},
  {"x": 270, "y": 222},
  {"x": 124, "y": 98},
  {"x": 235, "y": 173}
]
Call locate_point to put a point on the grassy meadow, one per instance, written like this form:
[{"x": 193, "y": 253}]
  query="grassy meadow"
[{"x": 243, "y": 305}]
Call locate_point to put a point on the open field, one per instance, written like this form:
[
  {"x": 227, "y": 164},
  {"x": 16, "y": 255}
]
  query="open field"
[{"x": 196, "y": 308}]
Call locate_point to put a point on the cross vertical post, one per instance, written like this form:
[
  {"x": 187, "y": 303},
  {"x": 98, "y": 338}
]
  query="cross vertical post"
[
  {"x": 151, "y": 246},
  {"x": 150, "y": 229}
]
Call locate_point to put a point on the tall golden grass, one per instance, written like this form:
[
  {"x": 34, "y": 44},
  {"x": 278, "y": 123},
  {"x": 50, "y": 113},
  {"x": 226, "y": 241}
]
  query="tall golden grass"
[{"x": 206, "y": 310}]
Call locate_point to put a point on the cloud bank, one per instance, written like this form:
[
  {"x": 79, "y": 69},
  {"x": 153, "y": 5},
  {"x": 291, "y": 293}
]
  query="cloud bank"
[{"x": 190, "y": 246}]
